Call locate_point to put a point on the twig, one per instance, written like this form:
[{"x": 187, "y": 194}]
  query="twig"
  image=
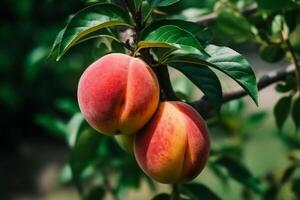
[
  {"x": 175, "y": 192},
  {"x": 205, "y": 108}
]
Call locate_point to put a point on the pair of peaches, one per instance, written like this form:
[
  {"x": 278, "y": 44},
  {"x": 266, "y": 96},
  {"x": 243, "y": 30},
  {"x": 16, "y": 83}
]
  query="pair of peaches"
[{"x": 119, "y": 95}]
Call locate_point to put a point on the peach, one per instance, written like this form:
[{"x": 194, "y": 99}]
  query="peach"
[
  {"x": 118, "y": 94},
  {"x": 174, "y": 146}
]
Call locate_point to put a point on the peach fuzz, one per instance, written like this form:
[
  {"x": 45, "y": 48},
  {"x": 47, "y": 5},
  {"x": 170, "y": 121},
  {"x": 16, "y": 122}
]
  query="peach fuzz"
[
  {"x": 118, "y": 94},
  {"x": 174, "y": 146}
]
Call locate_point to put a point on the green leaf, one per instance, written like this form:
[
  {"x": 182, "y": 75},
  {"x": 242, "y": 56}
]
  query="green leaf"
[
  {"x": 278, "y": 5},
  {"x": 161, "y": 3},
  {"x": 198, "y": 192},
  {"x": 235, "y": 66},
  {"x": 55, "y": 47},
  {"x": 240, "y": 173},
  {"x": 296, "y": 113},
  {"x": 195, "y": 29},
  {"x": 73, "y": 128},
  {"x": 229, "y": 62},
  {"x": 205, "y": 79},
  {"x": 272, "y": 53},
  {"x": 234, "y": 25},
  {"x": 83, "y": 153},
  {"x": 282, "y": 110},
  {"x": 162, "y": 196},
  {"x": 171, "y": 36},
  {"x": 88, "y": 20}
]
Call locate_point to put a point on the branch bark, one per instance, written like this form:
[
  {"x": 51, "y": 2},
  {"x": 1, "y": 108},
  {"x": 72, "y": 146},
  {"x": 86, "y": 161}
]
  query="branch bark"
[{"x": 205, "y": 108}]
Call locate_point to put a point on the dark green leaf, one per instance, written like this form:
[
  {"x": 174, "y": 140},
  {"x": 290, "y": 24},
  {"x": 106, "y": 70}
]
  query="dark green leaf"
[
  {"x": 282, "y": 110},
  {"x": 171, "y": 36},
  {"x": 240, "y": 173},
  {"x": 88, "y": 20},
  {"x": 196, "y": 29},
  {"x": 96, "y": 193},
  {"x": 296, "y": 113},
  {"x": 228, "y": 61},
  {"x": 53, "y": 125},
  {"x": 288, "y": 84},
  {"x": 162, "y": 196},
  {"x": 130, "y": 176},
  {"x": 161, "y": 3},
  {"x": 205, "y": 79},
  {"x": 199, "y": 191},
  {"x": 278, "y": 5},
  {"x": 234, "y": 65},
  {"x": 272, "y": 53}
]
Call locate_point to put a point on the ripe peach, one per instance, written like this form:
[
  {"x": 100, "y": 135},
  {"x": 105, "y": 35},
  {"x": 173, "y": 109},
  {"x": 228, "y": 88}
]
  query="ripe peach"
[
  {"x": 118, "y": 94},
  {"x": 174, "y": 146}
]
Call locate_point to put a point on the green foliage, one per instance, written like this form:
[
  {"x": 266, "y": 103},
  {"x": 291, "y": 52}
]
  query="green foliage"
[
  {"x": 162, "y": 196},
  {"x": 170, "y": 36},
  {"x": 272, "y": 53},
  {"x": 295, "y": 112},
  {"x": 282, "y": 110},
  {"x": 205, "y": 79},
  {"x": 227, "y": 61},
  {"x": 161, "y": 3},
  {"x": 89, "y": 20},
  {"x": 198, "y": 191},
  {"x": 191, "y": 27},
  {"x": 280, "y": 4},
  {"x": 240, "y": 173},
  {"x": 234, "y": 25}
]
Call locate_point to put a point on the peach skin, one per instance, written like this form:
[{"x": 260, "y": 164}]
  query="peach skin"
[
  {"x": 174, "y": 146},
  {"x": 118, "y": 94}
]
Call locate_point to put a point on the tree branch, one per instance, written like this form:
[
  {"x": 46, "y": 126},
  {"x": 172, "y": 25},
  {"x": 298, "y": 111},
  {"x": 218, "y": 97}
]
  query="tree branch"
[
  {"x": 209, "y": 18},
  {"x": 205, "y": 108},
  {"x": 167, "y": 92}
]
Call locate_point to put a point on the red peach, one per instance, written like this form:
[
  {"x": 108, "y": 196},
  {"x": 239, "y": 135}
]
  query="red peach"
[
  {"x": 174, "y": 146},
  {"x": 118, "y": 94}
]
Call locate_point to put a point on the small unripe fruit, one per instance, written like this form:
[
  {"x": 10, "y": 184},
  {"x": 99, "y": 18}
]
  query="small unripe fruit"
[
  {"x": 174, "y": 146},
  {"x": 118, "y": 94},
  {"x": 126, "y": 142}
]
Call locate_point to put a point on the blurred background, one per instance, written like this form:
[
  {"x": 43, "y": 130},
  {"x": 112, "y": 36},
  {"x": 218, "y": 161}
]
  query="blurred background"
[{"x": 40, "y": 120}]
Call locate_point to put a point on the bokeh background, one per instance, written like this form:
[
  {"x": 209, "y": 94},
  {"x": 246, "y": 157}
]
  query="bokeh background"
[{"x": 38, "y": 110}]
